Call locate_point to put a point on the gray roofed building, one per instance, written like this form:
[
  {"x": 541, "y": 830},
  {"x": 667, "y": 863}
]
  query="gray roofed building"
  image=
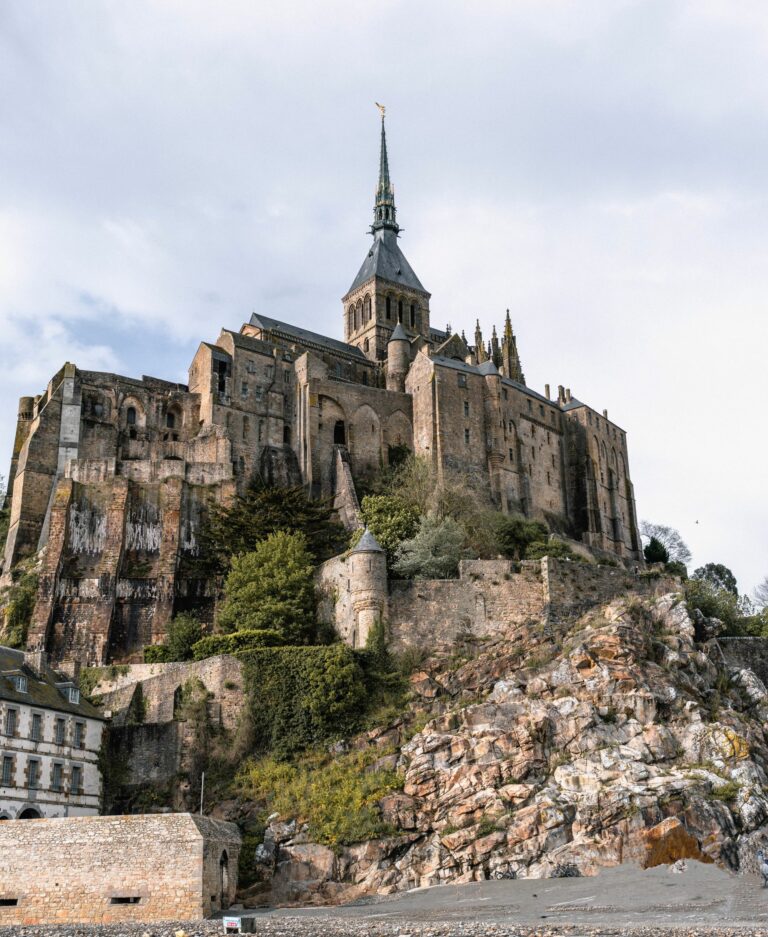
[{"x": 294, "y": 333}]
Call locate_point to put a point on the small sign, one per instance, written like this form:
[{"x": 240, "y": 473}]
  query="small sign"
[{"x": 232, "y": 925}]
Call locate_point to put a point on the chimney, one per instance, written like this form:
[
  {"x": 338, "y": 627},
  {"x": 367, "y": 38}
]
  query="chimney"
[
  {"x": 71, "y": 668},
  {"x": 546, "y": 391},
  {"x": 560, "y": 394},
  {"x": 36, "y": 660},
  {"x": 605, "y": 414},
  {"x": 567, "y": 394}
]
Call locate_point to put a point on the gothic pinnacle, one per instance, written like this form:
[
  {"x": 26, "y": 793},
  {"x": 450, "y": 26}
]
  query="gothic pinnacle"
[{"x": 384, "y": 211}]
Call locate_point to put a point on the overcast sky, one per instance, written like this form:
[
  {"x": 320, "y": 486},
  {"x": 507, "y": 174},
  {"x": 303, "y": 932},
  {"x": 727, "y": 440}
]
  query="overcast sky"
[{"x": 600, "y": 168}]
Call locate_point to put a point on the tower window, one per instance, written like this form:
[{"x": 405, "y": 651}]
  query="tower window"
[
  {"x": 466, "y": 408},
  {"x": 413, "y": 316},
  {"x": 286, "y": 435},
  {"x": 130, "y": 416},
  {"x": 466, "y": 437},
  {"x": 462, "y": 378},
  {"x": 388, "y": 307},
  {"x": 399, "y": 310},
  {"x": 170, "y": 420},
  {"x": 511, "y": 455}
]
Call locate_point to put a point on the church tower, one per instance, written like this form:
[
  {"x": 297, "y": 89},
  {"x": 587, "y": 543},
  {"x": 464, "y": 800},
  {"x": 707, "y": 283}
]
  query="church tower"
[{"x": 386, "y": 291}]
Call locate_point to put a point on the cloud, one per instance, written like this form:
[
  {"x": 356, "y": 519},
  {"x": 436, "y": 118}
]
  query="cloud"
[{"x": 167, "y": 168}]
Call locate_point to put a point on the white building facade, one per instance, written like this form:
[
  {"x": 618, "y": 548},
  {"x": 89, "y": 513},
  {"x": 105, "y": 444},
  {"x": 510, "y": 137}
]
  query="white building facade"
[{"x": 50, "y": 738}]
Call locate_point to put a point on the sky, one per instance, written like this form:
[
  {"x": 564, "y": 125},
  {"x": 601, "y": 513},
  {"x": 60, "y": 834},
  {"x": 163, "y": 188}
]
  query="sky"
[{"x": 600, "y": 169}]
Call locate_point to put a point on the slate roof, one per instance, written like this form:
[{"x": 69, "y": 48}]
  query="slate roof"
[
  {"x": 399, "y": 334},
  {"x": 368, "y": 544},
  {"x": 41, "y": 690},
  {"x": 294, "y": 333},
  {"x": 386, "y": 260}
]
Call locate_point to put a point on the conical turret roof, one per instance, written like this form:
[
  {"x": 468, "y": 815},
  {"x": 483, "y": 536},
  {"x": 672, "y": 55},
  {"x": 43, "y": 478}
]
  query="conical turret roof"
[{"x": 368, "y": 544}]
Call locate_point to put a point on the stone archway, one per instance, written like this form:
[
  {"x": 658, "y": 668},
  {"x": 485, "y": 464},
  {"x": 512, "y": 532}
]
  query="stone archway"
[{"x": 29, "y": 813}]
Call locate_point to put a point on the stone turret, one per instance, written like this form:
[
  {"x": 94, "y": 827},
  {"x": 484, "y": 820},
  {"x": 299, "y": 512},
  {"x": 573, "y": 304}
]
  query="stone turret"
[
  {"x": 368, "y": 586},
  {"x": 398, "y": 359}
]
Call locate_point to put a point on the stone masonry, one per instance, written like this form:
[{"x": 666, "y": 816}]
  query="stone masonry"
[{"x": 94, "y": 870}]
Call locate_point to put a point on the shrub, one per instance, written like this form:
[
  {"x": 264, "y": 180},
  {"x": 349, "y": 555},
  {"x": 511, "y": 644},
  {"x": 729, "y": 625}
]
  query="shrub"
[
  {"x": 515, "y": 534},
  {"x": 156, "y": 654},
  {"x": 713, "y": 603},
  {"x": 272, "y": 588},
  {"x": 301, "y": 696},
  {"x": 19, "y": 600},
  {"x": 558, "y": 549},
  {"x": 676, "y": 568},
  {"x": 718, "y": 576},
  {"x": 236, "y": 641},
  {"x": 337, "y": 796},
  {"x": 434, "y": 552},
  {"x": 391, "y": 520},
  {"x": 183, "y": 633}
]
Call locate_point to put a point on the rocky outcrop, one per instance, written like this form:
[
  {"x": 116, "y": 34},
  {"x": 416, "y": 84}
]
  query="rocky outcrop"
[{"x": 615, "y": 738}]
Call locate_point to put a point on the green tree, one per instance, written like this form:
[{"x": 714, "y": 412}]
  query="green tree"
[
  {"x": 183, "y": 632},
  {"x": 670, "y": 539},
  {"x": 718, "y": 576},
  {"x": 712, "y": 602},
  {"x": 272, "y": 587},
  {"x": 391, "y": 520},
  {"x": 434, "y": 552},
  {"x": 514, "y": 534},
  {"x": 557, "y": 549},
  {"x": 237, "y": 528},
  {"x": 655, "y": 552}
]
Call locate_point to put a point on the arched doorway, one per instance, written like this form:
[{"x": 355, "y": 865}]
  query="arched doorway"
[
  {"x": 339, "y": 433},
  {"x": 29, "y": 813},
  {"x": 224, "y": 881}
]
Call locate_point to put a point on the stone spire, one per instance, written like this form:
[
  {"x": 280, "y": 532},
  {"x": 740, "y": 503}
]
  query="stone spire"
[
  {"x": 495, "y": 349},
  {"x": 384, "y": 211},
  {"x": 509, "y": 354},
  {"x": 479, "y": 346}
]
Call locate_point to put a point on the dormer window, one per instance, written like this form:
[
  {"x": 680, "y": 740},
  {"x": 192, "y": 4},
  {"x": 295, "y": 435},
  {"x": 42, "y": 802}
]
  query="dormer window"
[
  {"x": 20, "y": 682},
  {"x": 73, "y": 694}
]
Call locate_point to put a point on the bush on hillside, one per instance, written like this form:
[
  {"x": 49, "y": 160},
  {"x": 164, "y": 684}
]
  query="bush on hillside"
[
  {"x": 272, "y": 588},
  {"x": 184, "y": 631},
  {"x": 391, "y": 520},
  {"x": 156, "y": 654},
  {"x": 236, "y": 641},
  {"x": 515, "y": 534},
  {"x": 555, "y": 548},
  {"x": 434, "y": 552}
]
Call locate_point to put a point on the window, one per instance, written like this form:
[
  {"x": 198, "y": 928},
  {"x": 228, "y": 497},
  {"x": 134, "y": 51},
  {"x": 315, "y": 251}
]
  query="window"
[
  {"x": 33, "y": 771},
  {"x": 511, "y": 455},
  {"x": 36, "y": 728},
  {"x": 504, "y": 391},
  {"x": 553, "y": 460},
  {"x": 258, "y": 393},
  {"x": 388, "y": 307},
  {"x": 56, "y": 775},
  {"x": 58, "y": 731},
  {"x": 541, "y": 409},
  {"x": 76, "y": 784},
  {"x": 462, "y": 378},
  {"x": 11, "y": 719},
  {"x": 244, "y": 390},
  {"x": 7, "y": 777},
  {"x": 125, "y": 899},
  {"x": 170, "y": 420},
  {"x": 286, "y": 377},
  {"x": 466, "y": 408},
  {"x": 72, "y": 694},
  {"x": 366, "y": 345},
  {"x": 533, "y": 454},
  {"x": 20, "y": 682},
  {"x": 130, "y": 416},
  {"x": 79, "y": 741},
  {"x": 530, "y": 405},
  {"x": 466, "y": 437},
  {"x": 548, "y": 479},
  {"x": 399, "y": 310},
  {"x": 246, "y": 427},
  {"x": 269, "y": 371},
  {"x": 413, "y": 316},
  {"x": 261, "y": 430}
]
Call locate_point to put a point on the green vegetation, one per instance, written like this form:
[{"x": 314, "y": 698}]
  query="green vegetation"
[
  {"x": 5, "y": 513},
  {"x": 236, "y": 641},
  {"x": 272, "y": 587},
  {"x": 299, "y": 697},
  {"x": 184, "y": 632},
  {"x": 558, "y": 549},
  {"x": 655, "y": 552},
  {"x": 239, "y": 527},
  {"x": 18, "y": 600},
  {"x": 155, "y": 654},
  {"x": 718, "y": 576},
  {"x": 434, "y": 552},
  {"x": 726, "y": 792},
  {"x": 391, "y": 520},
  {"x": 516, "y": 534},
  {"x": 336, "y": 795},
  {"x": 669, "y": 539}
]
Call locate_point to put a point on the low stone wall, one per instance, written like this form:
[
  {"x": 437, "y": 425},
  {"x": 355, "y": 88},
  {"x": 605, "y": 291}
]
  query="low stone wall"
[
  {"x": 221, "y": 675},
  {"x": 746, "y": 654},
  {"x": 113, "y": 869}
]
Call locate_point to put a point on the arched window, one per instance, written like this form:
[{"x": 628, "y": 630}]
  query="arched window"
[
  {"x": 388, "y": 307},
  {"x": 170, "y": 420},
  {"x": 399, "y": 310},
  {"x": 339, "y": 434},
  {"x": 413, "y": 316},
  {"x": 367, "y": 308},
  {"x": 351, "y": 318},
  {"x": 130, "y": 416}
]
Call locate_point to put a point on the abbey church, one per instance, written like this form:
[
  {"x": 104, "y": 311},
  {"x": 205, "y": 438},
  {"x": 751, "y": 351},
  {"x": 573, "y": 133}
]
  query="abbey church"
[{"x": 113, "y": 474}]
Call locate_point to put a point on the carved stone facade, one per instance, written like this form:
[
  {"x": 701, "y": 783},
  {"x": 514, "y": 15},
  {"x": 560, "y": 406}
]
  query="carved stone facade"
[{"x": 113, "y": 474}]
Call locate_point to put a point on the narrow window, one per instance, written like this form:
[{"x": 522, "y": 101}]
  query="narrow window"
[
  {"x": 77, "y": 779},
  {"x": 504, "y": 391},
  {"x": 36, "y": 729},
  {"x": 511, "y": 455},
  {"x": 261, "y": 430},
  {"x": 130, "y": 416},
  {"x": 399, "y": 310},
  {"x": 466, "y": 408},
  {"x": 7, "y": 779},
  {"x": 8, "y": 902},
  {"x": 33, "y": 768},
  {"x": 466, "y": 437},
  {"x": 11, "y": 717},
  {"x": 79, "y": 741},
  {"x": 462, "y": 379},
  {"x": 58, "y": 732},
  {"x": 548, "y": 479},
  {"x": 553, "y": 460},
  {"x": 20, "y": 682},
  {"x": 56, "y": 774},
  {"x": 388, "y": 306},
  {"x": 533, "y": 454},
  {"x": 245, "y": 428},
  {"x": 413, "y": 316},
  {"x": 365, "y": 377},
  {"x": 541, "y": 409},
  {"x": 530, "y": 405},
  {"x": 258, "y": 393},
  {"x": 286, "y": 377},
  {"x": 286, "y": 435},
  {"x": 125, "y": 899},
  {"x": 269, "y": 371},
  {"x": 170, "y": 420}
]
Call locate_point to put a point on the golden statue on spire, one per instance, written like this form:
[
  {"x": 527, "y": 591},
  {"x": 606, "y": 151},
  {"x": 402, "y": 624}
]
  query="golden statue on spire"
[{"x": 382, "y": 109}]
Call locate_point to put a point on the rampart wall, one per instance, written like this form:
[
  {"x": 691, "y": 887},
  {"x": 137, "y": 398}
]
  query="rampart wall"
[{"x": 116, "y": 869}]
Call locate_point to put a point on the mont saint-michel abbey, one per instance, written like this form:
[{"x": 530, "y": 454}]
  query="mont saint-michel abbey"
[{"x": 112, "y": 474}]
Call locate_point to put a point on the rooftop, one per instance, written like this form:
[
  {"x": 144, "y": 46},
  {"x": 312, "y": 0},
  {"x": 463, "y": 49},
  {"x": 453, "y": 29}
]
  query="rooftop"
[{"x": 294, "y": 333}]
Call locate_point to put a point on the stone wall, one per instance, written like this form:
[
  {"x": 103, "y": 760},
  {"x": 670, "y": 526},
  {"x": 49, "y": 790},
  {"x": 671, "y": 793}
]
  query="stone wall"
[
  {"x": 746, "y": 653},
  {"x": 115, "y": 869}
]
